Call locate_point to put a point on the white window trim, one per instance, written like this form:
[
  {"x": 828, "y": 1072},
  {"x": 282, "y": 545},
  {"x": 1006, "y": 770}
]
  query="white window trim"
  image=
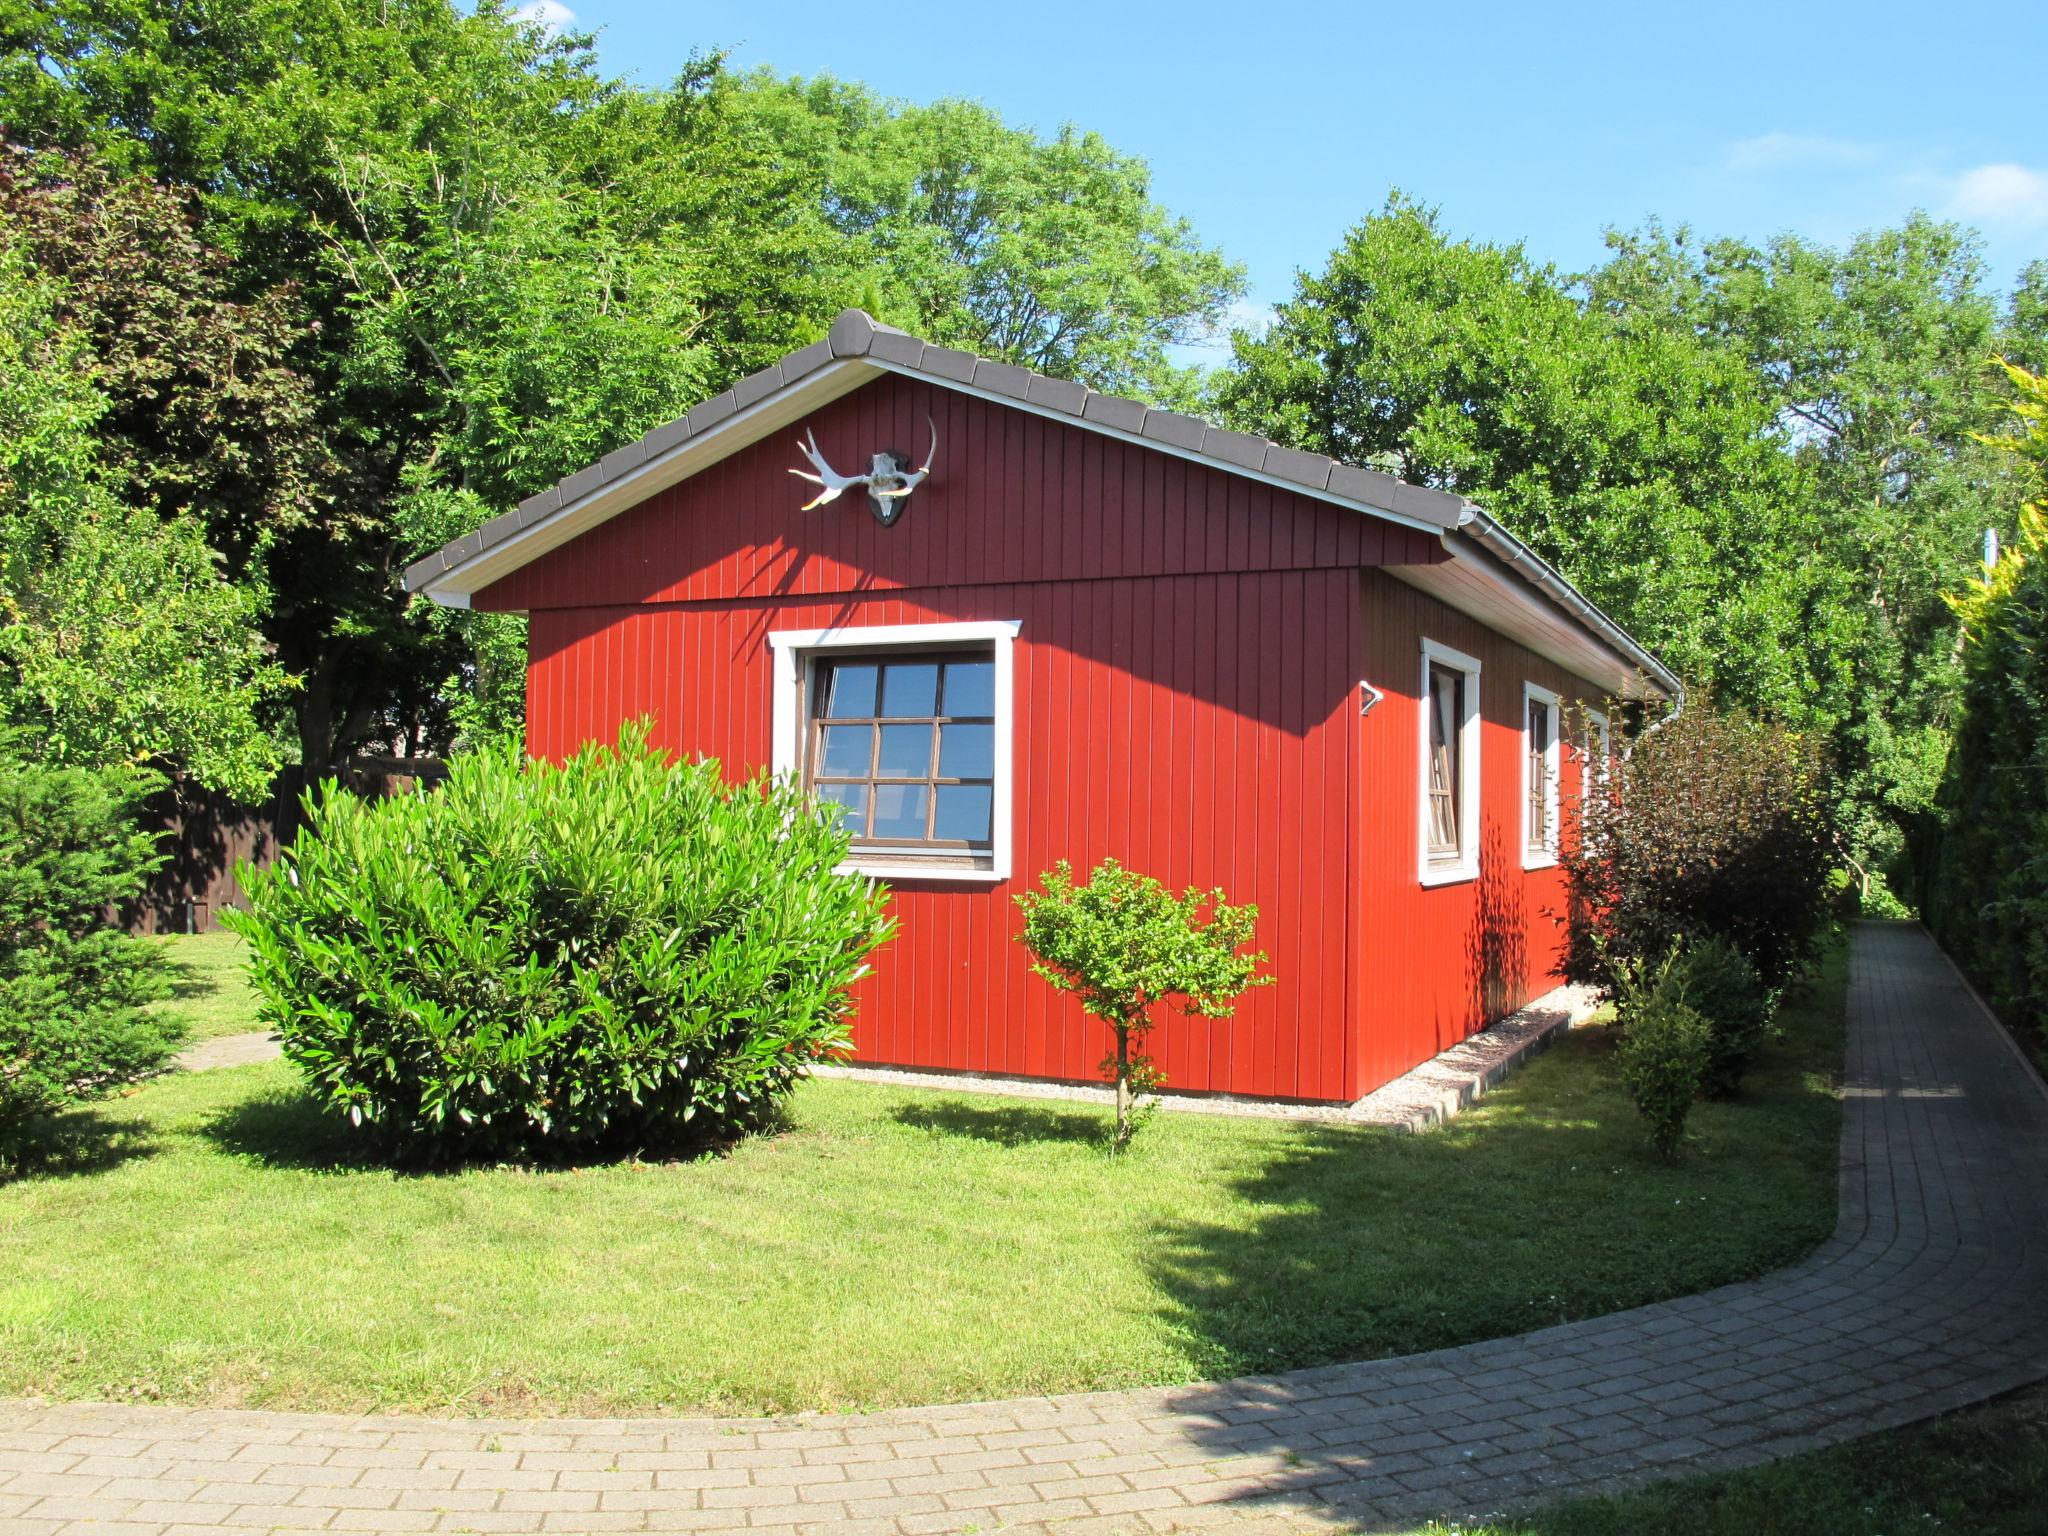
[
  {"x": 795, "y": 649},
  {"x": 1553, "y": 769},
  {"x": 1466, "y": 867}
]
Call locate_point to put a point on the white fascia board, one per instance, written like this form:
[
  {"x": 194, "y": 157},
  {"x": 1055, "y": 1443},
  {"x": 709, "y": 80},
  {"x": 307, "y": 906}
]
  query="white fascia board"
[
  {"x": 742, "y": 429},
  {"x": 1511, "y": 607}
]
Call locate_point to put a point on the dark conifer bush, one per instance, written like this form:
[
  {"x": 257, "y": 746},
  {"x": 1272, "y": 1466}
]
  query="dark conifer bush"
[
  {"x": 616, "y": 953},
  {"x": 73, "y": 987}
]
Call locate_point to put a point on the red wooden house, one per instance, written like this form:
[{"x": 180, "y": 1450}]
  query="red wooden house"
[{"x": 1093, "y": 628}]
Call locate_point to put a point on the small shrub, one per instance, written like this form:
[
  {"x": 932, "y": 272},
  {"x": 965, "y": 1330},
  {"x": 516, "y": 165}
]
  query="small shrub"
[
  {"x": 1664, "y": 1051},
  {"x": 1718, "y": 982},
  {"x": 74, "y": 990},
  {"x": 1123, "y": 943},
  {"x": 1714, "y": 826},
  {"x": 614, "y": 953}
]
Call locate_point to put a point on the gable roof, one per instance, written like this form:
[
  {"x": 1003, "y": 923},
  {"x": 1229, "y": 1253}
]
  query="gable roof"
[{"x": 1491, "y": 576}]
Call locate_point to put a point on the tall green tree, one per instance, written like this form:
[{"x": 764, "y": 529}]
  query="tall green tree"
[
  {"x": 121, "y": 639},
  {"x": 511, "y": 265},
  {"x": 1648, "y": 466},
  {"x": 414, "y": 176},
  {"x": 1874, "y": 358}
]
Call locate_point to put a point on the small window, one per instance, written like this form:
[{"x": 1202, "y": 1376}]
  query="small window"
[
  {"x": 1540, "y": 754},
  {"x": 1450, "y": 765},
  {"x": 904, "y": 744}
]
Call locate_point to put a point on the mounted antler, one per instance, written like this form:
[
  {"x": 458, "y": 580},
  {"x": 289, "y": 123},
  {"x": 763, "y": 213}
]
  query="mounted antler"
[
  {"x": 830, "y": 478},
  {"x": 887, "y": 479},
  {"x": 907, "y": 481}
]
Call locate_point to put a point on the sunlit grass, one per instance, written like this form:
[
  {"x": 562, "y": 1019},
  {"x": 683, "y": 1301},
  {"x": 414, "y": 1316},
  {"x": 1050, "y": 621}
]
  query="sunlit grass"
[
  {"x": 889, "y": 1246},
  {"x": 210, "y": 991}
]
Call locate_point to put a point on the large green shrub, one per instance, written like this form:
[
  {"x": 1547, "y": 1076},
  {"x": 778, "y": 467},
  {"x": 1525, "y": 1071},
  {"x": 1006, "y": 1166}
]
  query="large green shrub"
[
  {"x": 1123, "y": 943},
  {"x": 73, "y": 988},
  {"x": 1715, "y": 824},
  {"x": 618, "y": 952},
  {"x": 1665, "y": 1049}
]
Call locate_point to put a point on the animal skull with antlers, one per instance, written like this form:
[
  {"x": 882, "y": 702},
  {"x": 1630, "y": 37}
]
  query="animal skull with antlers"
[{"x": 889, "y": 479}]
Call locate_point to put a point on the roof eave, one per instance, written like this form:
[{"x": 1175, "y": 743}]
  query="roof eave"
[
  {"x": 547, "y": 521},
  {"x": 758, "y": 404},
  {"x": 1491, "y": 571}
]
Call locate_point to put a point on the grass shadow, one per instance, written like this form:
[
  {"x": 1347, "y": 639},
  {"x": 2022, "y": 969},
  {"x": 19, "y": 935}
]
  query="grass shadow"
[
  {"x": 288, "y": 1128},
  {"x": 73, "y": 1144},
  {"x": 1006, "y": 1125}
]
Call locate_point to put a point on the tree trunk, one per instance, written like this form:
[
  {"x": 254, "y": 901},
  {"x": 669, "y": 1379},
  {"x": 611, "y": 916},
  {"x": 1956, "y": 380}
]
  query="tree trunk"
[{"x": 1123, "y": 1087}]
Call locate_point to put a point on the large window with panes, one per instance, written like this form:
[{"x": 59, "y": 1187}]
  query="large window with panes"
[
  {"x": 904, "y": 744},
  {"x": 906, "y": 729}
]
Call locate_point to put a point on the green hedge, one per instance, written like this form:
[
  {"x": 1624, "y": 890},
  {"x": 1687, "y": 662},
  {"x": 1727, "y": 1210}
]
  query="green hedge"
[
  {"x": 1984, "y": 860},
  {"x": 617, "y": 953}
]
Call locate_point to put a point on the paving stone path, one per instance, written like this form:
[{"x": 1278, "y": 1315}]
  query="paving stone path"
[
  {"x": 230, "y": 1051},
  {"x": 1928, "y": 1297}
]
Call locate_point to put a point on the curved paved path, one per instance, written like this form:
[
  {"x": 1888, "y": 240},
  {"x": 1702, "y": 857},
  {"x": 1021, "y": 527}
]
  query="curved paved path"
[{"x": 1929, "y": 1296}]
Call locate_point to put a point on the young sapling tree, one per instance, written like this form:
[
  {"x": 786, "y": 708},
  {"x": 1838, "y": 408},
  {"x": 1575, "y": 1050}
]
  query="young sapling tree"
[{"x": 1123, "y": 943}]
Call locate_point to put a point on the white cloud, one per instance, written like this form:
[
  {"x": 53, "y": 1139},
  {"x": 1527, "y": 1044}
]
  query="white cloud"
[
  {"x": 2005, "y": 193},
  {"x": 1780, "y": 151},
  {"x": 551, "y": 14}
]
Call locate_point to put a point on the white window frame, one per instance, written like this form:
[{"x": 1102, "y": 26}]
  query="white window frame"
[
  {"x": 1545, "y": 856},
  {"x": 795, "y": 651},
  {"x": 1435, "y": 870}
]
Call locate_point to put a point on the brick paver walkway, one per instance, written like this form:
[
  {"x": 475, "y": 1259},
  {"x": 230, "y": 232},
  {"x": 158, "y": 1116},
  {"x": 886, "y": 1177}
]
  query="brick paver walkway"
[{"x": 1928, "y": 1297}]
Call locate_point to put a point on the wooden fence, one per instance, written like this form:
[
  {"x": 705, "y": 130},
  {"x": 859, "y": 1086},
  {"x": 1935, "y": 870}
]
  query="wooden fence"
[{"x": 206, "y": 836}]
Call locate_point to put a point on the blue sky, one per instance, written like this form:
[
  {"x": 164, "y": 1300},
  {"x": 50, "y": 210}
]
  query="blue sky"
[{"x": 1273, "y": 127}]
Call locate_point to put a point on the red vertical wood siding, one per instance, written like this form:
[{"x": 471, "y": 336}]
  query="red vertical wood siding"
[
  {"x": 1185, "y": 699},
  {"x": 1200, "y": 763},
  {"x": 1014, "y": 498},
  {"x": 1435, "y": 963}
]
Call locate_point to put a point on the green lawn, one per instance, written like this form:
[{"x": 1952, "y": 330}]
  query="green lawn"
[
  {"x": 891, "y": 1246},
  {"x": 1983, "y": 1471},
  {"x": 209, "y": 990}
]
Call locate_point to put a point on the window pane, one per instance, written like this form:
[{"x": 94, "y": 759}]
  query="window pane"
[
  {"x": 899, "y": 811},
  {"x": 854, "y": 797},
  {"x": 844, "y": 751},
  {"x": 967, "y": 752},
  {"x": 971, "y": 688},
  {"x": 963, "y": 813},
  {"x": 850, "y": 692},
  {"x": 910, "y": 689},
  {"x": 1446, "y": 721},
  {"x": 906, "y": 752}
]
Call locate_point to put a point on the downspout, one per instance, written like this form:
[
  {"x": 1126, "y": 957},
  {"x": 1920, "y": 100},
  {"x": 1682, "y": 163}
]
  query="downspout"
[{"x": 1538, "y": 572}]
